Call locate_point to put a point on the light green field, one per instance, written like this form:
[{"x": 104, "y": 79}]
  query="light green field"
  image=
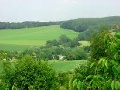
[
  {"x": 66, "y": 65},
  {"x": 18, "y": 39},
  {"x": 84, "y": 43}
]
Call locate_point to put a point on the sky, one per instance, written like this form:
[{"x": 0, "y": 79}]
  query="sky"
[{"x": 56, "y": 10}]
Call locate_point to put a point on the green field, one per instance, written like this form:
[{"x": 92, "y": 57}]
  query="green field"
[
  {"x": 19, "y": 39},
  {"x": 66, "y": 65}
]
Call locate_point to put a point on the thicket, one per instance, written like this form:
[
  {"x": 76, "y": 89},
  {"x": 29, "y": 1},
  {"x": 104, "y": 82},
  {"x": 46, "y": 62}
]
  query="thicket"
[{"x": 103, "y": 69}]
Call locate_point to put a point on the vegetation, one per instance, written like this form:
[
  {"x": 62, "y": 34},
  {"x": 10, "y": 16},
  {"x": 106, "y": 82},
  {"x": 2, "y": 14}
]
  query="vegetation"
[
  {"x": 27, "y": 24},
  {"x": 98, "y": 45},
  {"x": 87, "y": 26},
  {"x": 103, "y": 71},
  {"x": 20, "y": 39},
  {"x": 65, "y": 66},
  {"x": 29, "y": 74},
  {"x": 35, "y": 69}
]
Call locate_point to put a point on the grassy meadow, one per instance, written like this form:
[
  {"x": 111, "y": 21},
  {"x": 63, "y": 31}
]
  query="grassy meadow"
[
  {"x": 66, "y": 65},
  {"x": 19, "y": 39}
]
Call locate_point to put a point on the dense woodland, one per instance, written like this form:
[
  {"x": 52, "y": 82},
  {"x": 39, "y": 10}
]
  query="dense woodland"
[{"x": 88, "y": 26}]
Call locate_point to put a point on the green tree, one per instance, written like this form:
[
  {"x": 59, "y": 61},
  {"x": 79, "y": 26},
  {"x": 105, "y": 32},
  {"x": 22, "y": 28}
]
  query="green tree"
[
  {"x": 98, "y": 46},
  {"x": 51, "y": 43},
  {"x": 28, "y": 73},
  {"x": 103, "y": 73},
  {"x": 64, "y": 39}
]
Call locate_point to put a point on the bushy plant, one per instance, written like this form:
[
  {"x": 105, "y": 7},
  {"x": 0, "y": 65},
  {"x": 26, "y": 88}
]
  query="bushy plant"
[
  {"x": 102, "y": 73},
  {"x": 29, "y": 74}
]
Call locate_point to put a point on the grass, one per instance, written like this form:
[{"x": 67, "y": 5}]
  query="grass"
[
  {"x": 14, "y": 39},
  {"x": 84, "y": 43},
  {"x": 66, "y": 65}
]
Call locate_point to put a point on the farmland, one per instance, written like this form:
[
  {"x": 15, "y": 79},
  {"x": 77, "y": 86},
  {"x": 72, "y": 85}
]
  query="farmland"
[
  {"x": 19, "y": 39},
  {"x": 66, "y": 65}
]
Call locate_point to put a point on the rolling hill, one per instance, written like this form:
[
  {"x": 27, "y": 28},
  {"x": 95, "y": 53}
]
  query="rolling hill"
[{"x": 19, "y": 39}]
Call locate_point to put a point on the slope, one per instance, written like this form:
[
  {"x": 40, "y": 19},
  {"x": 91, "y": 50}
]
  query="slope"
[{"x": 27, "y": 37}]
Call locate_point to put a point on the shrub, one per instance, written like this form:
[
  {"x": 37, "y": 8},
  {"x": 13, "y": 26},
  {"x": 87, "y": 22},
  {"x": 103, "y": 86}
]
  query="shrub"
[
  {"x": 103, "y": 73},
  {"x": 30, "y": 74}
]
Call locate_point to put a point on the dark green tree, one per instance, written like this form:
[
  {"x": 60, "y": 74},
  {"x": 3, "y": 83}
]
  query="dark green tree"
[{"x": 98, "y": 46}]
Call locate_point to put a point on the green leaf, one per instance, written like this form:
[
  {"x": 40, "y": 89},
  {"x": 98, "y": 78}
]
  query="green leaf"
[
  {"x": 79, "y": 85},
  {"x": 100, "y": 61},
  {"x": 113, "y": 85},
  {"x": 116, "y": 55},
  {"x": 105, "y": 39},
  {"x": 106, "y": 64},
  {"x": 75, "y": 83},
  {"x": 115, "y": 69},
  {"x": 89, "y": 77},
  {"x": 117, "y": 85},
  {"x": 113, "y": 62},
  {"x": 92, "y": 64},
  {"x": 117, "y": 35},
  {"x": 112, "y": 47}
]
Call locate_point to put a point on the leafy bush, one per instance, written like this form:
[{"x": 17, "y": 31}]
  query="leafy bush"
[
  {"x": 28, "y": 73},
  {"x": 103, "y": 73}
]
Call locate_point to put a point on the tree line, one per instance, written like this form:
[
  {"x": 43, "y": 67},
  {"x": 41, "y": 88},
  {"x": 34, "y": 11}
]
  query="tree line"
[{"x": 26, "y": 24}]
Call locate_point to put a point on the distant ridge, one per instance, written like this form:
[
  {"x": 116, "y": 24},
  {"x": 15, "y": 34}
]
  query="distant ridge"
[{"x": 87, "y": 26}]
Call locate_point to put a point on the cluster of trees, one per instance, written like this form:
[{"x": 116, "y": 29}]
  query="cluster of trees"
[
  {"x": 64, "y": 41},
  {"x": 87, "y": 26},
  {"x": 9, "y": 55},
  {"x": 65, "y": 47},
  {"x": 45, "y": 53},
  {"x": 27, "y": 24}
]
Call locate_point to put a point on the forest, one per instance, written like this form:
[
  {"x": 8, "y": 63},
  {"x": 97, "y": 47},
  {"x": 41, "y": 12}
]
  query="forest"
[{"x": 87, "y": 26}]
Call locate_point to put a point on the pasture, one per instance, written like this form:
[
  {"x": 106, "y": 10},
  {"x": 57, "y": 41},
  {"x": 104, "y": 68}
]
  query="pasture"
[
  {"x": 66, "y": 65},
  {"x": 19, "y": 39}
]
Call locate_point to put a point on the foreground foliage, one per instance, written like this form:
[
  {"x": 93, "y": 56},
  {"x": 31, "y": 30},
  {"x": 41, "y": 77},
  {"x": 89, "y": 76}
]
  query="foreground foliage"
[
  {"x": 29, "y": 74},
  {"x": 103, "y": 71}
]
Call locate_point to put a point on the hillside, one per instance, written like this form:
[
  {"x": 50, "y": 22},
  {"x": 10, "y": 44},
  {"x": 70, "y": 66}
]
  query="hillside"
[
  {"x": 87, "y": 26},
  {"x": 27, "y": 37}
]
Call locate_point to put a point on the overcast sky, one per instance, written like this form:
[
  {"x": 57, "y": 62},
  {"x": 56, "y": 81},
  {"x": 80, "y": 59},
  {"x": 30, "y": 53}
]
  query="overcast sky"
[{"x": 56, "y": 10}]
